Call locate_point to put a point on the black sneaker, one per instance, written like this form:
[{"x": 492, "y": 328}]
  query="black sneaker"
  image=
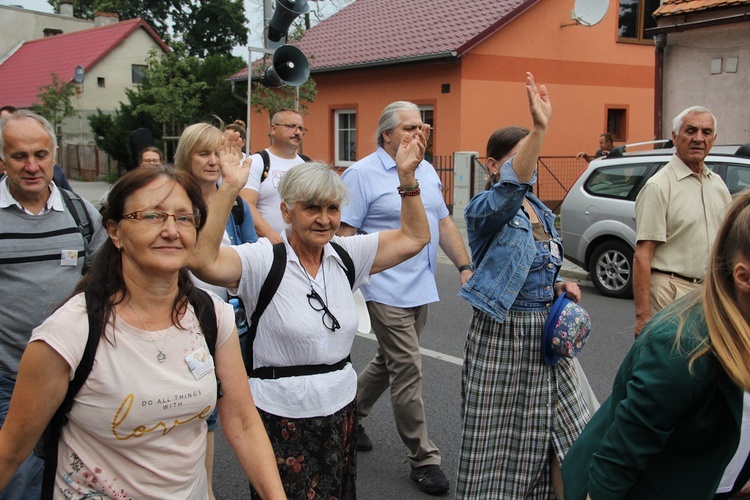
[
  {"x": 431, "y": 479},
  {"x": 364, "y": 443}
]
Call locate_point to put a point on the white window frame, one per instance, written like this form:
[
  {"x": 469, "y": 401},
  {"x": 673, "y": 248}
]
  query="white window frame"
[
  {"x": 423, "y": 109},
  {"x": 336, "y": 129}
]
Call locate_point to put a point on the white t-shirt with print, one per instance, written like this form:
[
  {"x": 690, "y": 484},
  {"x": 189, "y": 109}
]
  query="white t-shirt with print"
[{"x": 137, "y": 428}]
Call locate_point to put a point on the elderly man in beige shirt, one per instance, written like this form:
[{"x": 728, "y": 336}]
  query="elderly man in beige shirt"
[{"x": 678, "y": 213}]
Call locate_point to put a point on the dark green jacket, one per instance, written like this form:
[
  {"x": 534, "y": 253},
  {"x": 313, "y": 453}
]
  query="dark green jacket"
[{"x": 665, "y": 431}]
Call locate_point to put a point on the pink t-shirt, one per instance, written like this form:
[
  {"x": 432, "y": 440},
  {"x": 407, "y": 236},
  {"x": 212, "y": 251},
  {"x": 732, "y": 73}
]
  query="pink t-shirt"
[{"x": 137, "y": 428}]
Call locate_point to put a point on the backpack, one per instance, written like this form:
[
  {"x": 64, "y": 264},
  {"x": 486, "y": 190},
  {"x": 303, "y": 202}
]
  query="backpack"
[
  {"x": 81, "y": 216},
  {"x": 271, "y": 284},
  {"x": 47, "y": 446},
  {"x": 238, "y": 213},
  {"x": 267, "y": 162}
]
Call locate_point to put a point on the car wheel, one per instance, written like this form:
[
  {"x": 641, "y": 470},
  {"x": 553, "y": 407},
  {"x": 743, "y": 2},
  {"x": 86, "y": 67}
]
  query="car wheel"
[{"x": 611, "y": 269}]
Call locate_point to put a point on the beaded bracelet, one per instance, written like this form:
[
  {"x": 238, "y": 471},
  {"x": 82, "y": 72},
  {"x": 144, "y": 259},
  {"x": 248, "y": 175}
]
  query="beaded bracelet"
[
  {"x": 409, "y": 190},
  {"x": 415, "y": 192}
]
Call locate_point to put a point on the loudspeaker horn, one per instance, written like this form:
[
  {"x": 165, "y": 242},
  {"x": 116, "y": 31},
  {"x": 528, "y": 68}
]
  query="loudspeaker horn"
[
  {"x": 289, "y": 67},
  {"x": 283, "y": 17}
]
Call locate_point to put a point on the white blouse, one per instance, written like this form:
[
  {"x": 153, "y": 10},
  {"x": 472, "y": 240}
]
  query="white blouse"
[{"x": 291, "y": 332}]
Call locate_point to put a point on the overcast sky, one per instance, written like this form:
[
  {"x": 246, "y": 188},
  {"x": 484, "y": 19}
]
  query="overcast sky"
[{"x": 253, "y": 11}]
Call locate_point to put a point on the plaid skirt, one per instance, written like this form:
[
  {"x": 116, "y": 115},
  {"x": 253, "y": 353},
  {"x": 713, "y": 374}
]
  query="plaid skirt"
[
  {"x": 317, "y": 457},
  {"x": 516, "y": 409}
]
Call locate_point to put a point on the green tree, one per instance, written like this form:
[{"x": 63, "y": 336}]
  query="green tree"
[
  {"x": 177, "y": 90},
  {"x": 111, "y": 132},
  {"x": 171, "y": 94},
  {"x": 206, "y": 27},
  {"x": 54, "y": 100},
  {"x": 216, "y": 98}
]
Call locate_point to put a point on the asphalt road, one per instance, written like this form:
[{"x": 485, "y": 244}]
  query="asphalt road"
[{"x": 384, "y": 473}]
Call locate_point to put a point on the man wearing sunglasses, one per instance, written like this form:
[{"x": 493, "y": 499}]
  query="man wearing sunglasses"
[{"x": 262, "y": 189}]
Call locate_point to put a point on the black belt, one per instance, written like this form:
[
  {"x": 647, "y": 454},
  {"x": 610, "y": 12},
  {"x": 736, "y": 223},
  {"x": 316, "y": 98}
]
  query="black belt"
[
  {"x": 679, "y": 276},
  {"x": 276, "y": 372}
]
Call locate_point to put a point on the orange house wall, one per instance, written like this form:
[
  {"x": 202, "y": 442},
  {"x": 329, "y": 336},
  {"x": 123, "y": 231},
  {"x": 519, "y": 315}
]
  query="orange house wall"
[
  {"x": 368, "y": 91},
  {"x": 584, "y": 68}
]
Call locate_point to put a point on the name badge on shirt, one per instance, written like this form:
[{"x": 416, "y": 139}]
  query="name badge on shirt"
[
  {"x": 200, "y": 363},
  {"x": 69, "y": 258},
  {"x": 554, "y": 249}
]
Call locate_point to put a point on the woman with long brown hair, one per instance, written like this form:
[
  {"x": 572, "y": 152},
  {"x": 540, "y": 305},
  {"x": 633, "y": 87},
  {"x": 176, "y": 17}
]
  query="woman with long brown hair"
[{"x": 137, "y": 425}]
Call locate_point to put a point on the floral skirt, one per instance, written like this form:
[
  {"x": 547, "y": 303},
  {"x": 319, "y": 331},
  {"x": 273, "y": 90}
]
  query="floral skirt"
[{"x": 317, "y": 457}]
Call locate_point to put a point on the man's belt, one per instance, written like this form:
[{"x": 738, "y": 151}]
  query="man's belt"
[{"x": 678, "y": 276}]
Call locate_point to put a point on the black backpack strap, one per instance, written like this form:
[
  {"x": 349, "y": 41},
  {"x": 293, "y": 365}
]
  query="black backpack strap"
[
  {"x": 305, "y": 158},
  {"x": 203, "y": 305},
  {"x": 81, "y": 216},
  {"x": 267, "y": 291},
  {"x": 266, "y": 163},
  {"x": 51, "y": 435},
  {"x": 348, "y": 263},
  {"x": 238, "y": 212}
]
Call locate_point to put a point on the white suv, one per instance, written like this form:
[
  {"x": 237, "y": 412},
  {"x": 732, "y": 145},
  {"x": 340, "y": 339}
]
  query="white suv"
[{"x": 598, "y": 213}]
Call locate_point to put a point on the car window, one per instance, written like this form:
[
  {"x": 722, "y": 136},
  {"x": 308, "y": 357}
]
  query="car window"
[
  {"x": 616, "y": 181},
  {"x": 737, "y": 178}
]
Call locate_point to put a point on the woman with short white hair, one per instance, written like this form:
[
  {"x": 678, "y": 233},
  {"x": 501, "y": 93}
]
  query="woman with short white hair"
[{"x": 302, "y": 379}]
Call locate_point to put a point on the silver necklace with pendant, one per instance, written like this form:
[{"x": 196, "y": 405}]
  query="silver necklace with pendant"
[{"x": 161, "y": 356}]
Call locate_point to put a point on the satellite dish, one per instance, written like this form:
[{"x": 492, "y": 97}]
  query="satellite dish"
[
  {"x": 79, "y": 74},
  {"x": 590, "y": 12}
]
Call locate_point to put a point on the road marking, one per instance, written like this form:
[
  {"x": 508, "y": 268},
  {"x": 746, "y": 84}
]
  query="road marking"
[{"x": 425, "y": 352}]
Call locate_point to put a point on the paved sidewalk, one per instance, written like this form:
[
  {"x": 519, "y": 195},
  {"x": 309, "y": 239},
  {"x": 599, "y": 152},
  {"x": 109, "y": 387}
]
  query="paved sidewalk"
[
  {"x": 93, "y": 191},
  {"x": 90, "y": 191}
]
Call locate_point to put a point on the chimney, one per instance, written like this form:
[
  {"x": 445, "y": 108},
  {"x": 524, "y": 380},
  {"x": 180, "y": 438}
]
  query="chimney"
[
  {"x": 66, "y": 8},
  {"x": 105, "y": 18}
]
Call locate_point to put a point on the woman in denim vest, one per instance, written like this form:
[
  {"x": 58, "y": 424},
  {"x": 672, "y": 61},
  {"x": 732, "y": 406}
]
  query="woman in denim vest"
[{"x": 520, "y": 415}]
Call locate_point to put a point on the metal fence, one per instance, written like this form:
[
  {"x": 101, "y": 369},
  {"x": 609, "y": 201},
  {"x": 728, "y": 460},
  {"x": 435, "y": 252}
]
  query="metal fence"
[
  {"x": 444, "y": 167},
  {"x": 88, "y": 163},
  {"x": 555, "y": 176}
]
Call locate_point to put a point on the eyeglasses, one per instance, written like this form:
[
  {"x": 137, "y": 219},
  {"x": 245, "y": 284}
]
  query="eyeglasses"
[
  {"x": 292, "y": 126},
  {"x": 316, "y": 302},
  {"x": 158, "y": 217}
]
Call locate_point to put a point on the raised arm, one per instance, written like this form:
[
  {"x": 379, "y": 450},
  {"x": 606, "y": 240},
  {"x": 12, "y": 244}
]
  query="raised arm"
[
  {"x": 397, "y": 245},
  {"x": 525, "y": 161},
  {"x": 210, "y": 261}
]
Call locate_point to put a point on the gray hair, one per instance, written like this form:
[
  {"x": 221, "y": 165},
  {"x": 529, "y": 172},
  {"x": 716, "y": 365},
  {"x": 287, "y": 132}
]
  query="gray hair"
[
  {"x": 22, "y": 114},
  {"x": 389, "y": 117},
  {"x": 677, "y": 122},
  {"x": 312, "y": 183}
]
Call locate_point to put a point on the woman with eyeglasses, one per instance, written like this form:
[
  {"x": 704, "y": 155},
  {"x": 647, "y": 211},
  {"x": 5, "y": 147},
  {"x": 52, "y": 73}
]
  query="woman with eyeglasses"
[
  {"x": 302, "y": 380},
  {"x": 197, "y": 153},
  {"x": 137, "y": 425}
]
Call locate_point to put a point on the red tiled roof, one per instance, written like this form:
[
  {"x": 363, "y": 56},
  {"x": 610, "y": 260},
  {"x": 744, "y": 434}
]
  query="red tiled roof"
[
  {"x": 674, "y": 7},
  {"x": 382, "y": 32},
  {"x": 31, "y": 65}
]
